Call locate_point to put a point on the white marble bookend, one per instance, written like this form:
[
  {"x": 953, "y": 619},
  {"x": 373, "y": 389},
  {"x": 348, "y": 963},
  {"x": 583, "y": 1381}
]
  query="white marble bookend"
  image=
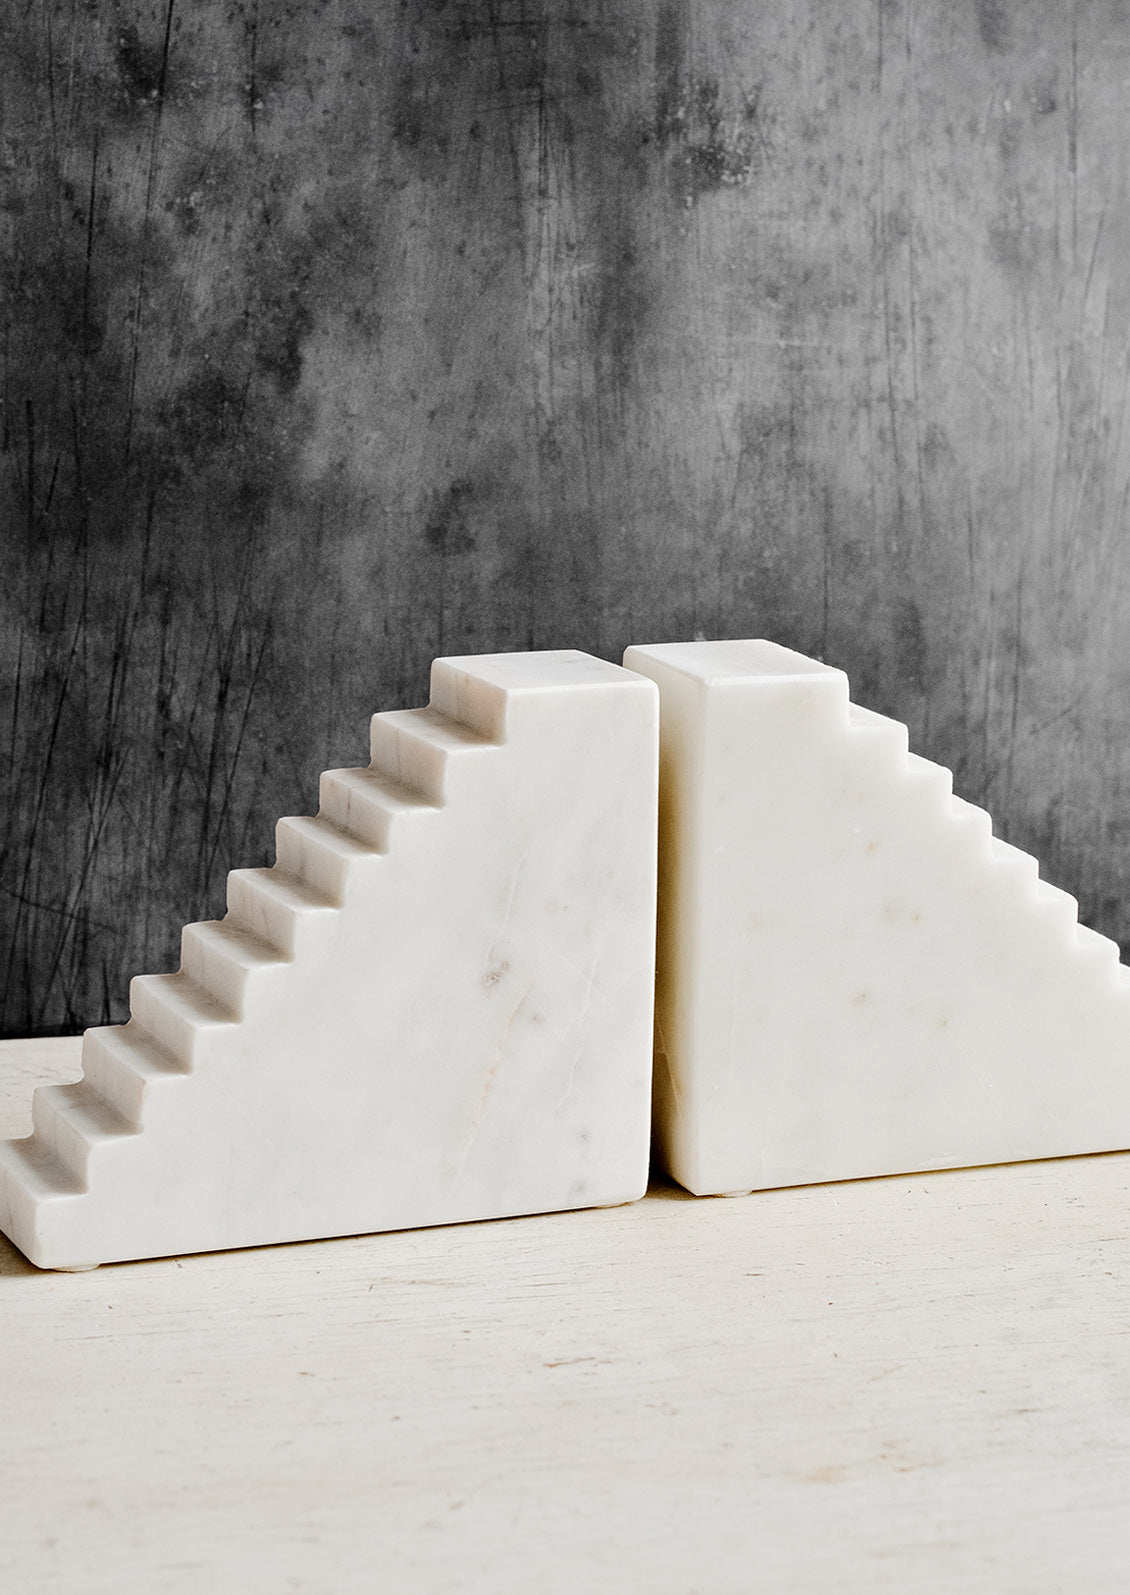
[
  {"x": 435, "y": 1007},
  {"x": 855, "y": 976}
]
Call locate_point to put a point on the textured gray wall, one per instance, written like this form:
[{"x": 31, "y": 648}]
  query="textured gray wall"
[{"x": 339, "y": 335}]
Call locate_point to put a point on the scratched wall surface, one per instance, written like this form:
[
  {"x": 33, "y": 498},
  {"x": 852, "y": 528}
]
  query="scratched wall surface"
[{"x": 342, "y": 333}]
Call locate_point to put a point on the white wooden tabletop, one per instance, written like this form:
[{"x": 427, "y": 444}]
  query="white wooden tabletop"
[{"x": 905, "y": 1384}]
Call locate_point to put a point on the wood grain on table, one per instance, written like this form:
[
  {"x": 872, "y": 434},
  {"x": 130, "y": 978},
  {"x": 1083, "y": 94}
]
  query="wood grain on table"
[{"x": 910, "y": 1384}]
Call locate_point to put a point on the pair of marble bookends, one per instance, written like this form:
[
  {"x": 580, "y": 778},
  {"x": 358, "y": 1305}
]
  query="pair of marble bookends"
[{"x": 437, "y": 1005}]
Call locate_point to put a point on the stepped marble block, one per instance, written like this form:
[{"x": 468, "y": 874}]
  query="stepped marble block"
[
  {"x": 435, "y": 1007},
  {"x": 855, "y": 977}
]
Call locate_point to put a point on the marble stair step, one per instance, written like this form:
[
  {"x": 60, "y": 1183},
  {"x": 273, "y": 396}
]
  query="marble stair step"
[
  {"x": 32, "y": 1174},
  {"x": 225, "y": 961},
  {"x": 179, "y": 1015},
  {"x": 1054, "y": 902},
  {"x": 1097, "y": 947},
  {"x": 126, "y": 1065},
  {"x": 975, "y": 821},
  {"x": 422, "y": 749},
  {"x": 878, "y": 733},
  {"x": 369, "y": 805},
  {"x": 279, "y": 908},
  {"x": 71, "y": 1121},
  {"x": 321, "y": 855},
  {"x": 1014, "y": 864}
]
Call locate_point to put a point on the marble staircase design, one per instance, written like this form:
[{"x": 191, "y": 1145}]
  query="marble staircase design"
[
  {"x": 436, "y": 1006},
  {"x": 855, "y": 976}
]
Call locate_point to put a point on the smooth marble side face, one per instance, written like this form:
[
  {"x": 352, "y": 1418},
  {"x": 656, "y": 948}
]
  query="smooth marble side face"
[
  {"x": 854, "y": 977},
  {"x": 468, "y": 1036}
]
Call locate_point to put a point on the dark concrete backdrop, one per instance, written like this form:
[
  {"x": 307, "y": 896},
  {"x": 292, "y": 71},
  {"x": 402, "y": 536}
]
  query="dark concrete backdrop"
[{"x": 342, "y": 333}]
